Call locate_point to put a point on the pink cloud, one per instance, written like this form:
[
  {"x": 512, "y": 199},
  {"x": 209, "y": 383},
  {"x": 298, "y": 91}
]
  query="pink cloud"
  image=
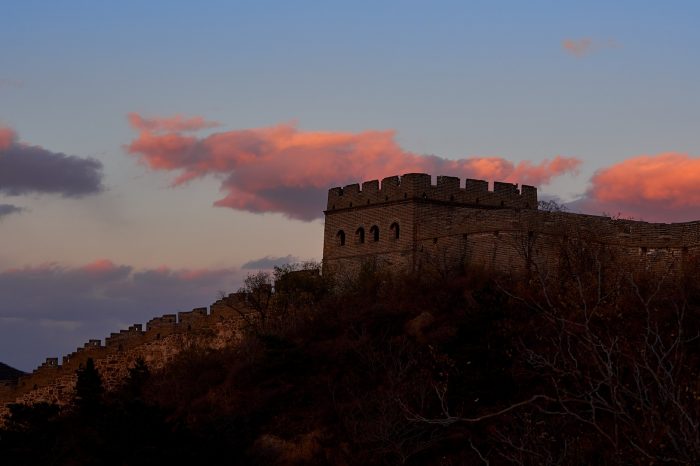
[
  {"x": 99, "y": 266},
  {"x": 174, "y": 123},
  {"x": 585, "y": 46},
  {"x": 577, "y": 47},
  {"x": 7, "y": 137},
  {"x": 286, "y": 170},
  {"x": 661, "y": 187}
]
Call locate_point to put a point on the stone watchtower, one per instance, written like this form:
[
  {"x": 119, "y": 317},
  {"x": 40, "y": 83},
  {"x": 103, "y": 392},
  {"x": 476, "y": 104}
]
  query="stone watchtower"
[{"x": 407, "y": 220}]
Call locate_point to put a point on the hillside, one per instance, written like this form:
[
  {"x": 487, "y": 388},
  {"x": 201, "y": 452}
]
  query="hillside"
[
  {"x": 596, "y": 367},
  {"x": 8, "y": 373}
]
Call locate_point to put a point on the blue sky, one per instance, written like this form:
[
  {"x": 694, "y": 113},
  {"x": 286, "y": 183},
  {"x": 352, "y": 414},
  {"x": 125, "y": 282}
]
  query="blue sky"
[{"x": 454, "y": 79}]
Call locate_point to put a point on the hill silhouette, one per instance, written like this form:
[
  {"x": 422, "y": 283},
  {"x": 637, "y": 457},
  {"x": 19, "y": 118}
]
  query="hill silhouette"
[
  {"x": 597, "y": 366},
  {"x": 8, "y": 373}
]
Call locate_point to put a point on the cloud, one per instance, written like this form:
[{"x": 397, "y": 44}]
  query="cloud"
[
  {"x": 7, "y": 209},
  {"x": 269, "y": 262},
  {"x": 7, "y": 137},
  {"x": 577, "y": 47},
  {"x": 174, "y": 123},
  {"x": 663, "y": 187},
  {"x": 581, "y": 47},
  {"x": 286, "y": 170},
  {"x": 5, "y": 82},
  {"x": 26, "y": 169},
  {"x": 50, "y": 309}
]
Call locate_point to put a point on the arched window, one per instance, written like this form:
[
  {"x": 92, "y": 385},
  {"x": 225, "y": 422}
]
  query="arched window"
[
  {"x": 395, "y": 228},
  {"x": 374, "y": 231},
  {"x": 360, "y": 235},
  {"x": 341, "y": 237}
]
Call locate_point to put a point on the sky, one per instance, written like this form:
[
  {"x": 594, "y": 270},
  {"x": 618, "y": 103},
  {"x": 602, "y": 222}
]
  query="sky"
[{"x": 152, "y": 154}]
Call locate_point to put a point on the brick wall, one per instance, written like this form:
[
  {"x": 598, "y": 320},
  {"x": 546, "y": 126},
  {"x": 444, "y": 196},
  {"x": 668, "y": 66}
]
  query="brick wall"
[
  {"x": 449, "y": 224},
  {"x": 163, "y": 339}
]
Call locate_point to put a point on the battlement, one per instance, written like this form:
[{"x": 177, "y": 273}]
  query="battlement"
[
  {"x": 448, "y": 189},
  {"x": 167, "y": 320},
  {"x": 124, "y": 336},
  {"x": 408, "y": 223},
  {"x": 188, "y": 322},
  {"x": 53, "y": 381},
  {"x": 193, "y": 316},
  {"x": 50, "y": 362}
]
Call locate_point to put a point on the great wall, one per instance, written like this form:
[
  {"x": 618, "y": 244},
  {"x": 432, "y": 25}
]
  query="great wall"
[
  {"x": 408, "y": 223},
  {"x": 405, "y": 224},
  {"x": 163, "y": 339}
]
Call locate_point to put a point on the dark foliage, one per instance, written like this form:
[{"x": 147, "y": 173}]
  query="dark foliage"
[
  {"x": 599, "y": 366},
  {"x": 88, "y": 389}
]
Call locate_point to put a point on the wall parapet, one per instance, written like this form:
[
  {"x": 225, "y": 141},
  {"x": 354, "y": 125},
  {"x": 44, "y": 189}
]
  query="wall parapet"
[
  {"x": 419, "y": 186},
  {"x": 119, "y": 344}
]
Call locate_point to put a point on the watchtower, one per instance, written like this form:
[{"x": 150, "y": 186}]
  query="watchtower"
[{"x": 388, "y": 223}]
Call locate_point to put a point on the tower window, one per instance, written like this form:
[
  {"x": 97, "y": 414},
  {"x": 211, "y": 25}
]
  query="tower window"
[
  {"x": 360, "y": 235},
  {"x": 395, "y": 228},
  {"x": 374, "y": 231},
  {"x": 341, "y": 237}
]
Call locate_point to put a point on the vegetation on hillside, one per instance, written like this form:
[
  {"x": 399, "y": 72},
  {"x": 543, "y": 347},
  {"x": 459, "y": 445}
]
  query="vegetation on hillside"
[{"x": 594, "y": 366}]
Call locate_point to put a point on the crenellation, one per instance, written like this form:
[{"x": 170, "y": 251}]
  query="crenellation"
[
  {"x": 166, "y": 320},
  {"x": 413, "y": 186},
  {"x": 49, "y": 363},
  {"x": 191, "y": 316},
  {"x": 506, "y": 189},
  {"x": 125, "y": 337},
  {"x": 476, "y": 187},
  {"x": 447, "y": 186},
  {"x": 195, "y": 317},
  {"x": 351, "y": 189},
  {"x": 416, "y": 223},
  {"x": 371, "y": 188},
  {"x": 163, "y": 339},
  {"x": 416, "y": 184},
  {"x": 390, "y": 190},
  {"x": 529, "y": 196}
]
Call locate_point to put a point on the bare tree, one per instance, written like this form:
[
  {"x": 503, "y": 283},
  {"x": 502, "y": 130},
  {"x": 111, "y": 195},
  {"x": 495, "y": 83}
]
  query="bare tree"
[{"x": 612, "y": 352}]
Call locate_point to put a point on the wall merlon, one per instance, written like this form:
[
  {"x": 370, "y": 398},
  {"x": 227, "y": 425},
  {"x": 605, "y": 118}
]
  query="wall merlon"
[
  {"x": 448, "y": 184},
  {"x": 476, "y": 186},
  {"x": 166, "y": 320},
  {"x": 93, "y": 344},
  {"x": 351, "y": 189},
  {"x": 415, "y": 183},
  {"x": 529, "y": 196},
  {"x": 193, "y": 315},
  {"x": 49, "y": 363},
  {"x": 370, "y": 187},
  {"x": 125, "y": 337},
  {"x": 412, "y": 186},
  {"x": 505, "y": 188}
]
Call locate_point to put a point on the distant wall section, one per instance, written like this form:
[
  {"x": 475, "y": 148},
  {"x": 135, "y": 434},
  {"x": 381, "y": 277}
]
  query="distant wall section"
[{"x": 163, "y": 339}]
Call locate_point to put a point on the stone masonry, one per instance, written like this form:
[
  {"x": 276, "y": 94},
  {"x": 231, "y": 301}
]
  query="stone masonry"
[
  {"x": 163, "y": 339},
  {"x": 409, "y": 224}
]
